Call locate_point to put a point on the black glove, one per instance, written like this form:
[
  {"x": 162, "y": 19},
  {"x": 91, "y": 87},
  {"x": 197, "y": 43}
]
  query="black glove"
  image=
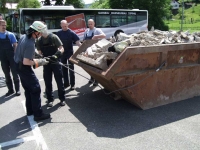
[
  {"x": 57, "y": 55},
  {"x": 54, "y": 57}
]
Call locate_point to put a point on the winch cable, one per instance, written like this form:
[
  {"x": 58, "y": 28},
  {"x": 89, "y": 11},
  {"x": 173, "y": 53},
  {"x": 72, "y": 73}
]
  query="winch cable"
[{"x": 108, "y": 93}]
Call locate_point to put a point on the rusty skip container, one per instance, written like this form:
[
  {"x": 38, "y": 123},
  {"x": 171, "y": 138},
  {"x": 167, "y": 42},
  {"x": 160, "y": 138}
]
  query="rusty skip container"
[{"x": 135, "y": 67}]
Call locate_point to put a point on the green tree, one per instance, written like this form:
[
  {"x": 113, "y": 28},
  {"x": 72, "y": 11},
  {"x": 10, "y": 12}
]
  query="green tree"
[
  {"x": 47, "y": 2},
  {"x": 34, "y": 4},
  {"x": 157, "y": 10},
  {"x": 3, "y": 8},
  {"x": 28, "y": 4},
  {"x": 75, "y": 3},
  {"x": 104, "y": 4},
  {"x": 59, "y": 2}
]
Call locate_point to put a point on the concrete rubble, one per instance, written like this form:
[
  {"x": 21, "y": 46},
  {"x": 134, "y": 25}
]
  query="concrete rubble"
[
  {"x": 157, "y": 37},
  {"x": 98, "y": 54}
]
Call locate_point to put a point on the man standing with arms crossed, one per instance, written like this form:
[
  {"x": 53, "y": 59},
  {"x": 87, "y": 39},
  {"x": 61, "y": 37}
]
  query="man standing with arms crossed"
[
  {"x": 67, "y": 37},
  {"x": 8, "y": 44},
  {"x": 93, "y": 33}
]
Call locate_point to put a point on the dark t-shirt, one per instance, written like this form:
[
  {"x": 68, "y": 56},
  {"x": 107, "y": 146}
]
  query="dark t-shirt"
[
  {"x": 25, "y": 49},
  {"x": 67, "y": 38},
  {"x": 55, "y": 40}
]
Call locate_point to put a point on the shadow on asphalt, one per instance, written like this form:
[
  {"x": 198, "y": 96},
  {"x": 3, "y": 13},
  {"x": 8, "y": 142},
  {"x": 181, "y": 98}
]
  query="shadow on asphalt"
[
  {"x": 3, "y": 98},
  {"x": 17, "y": 127},
  {"x": 106, "y": 117}
]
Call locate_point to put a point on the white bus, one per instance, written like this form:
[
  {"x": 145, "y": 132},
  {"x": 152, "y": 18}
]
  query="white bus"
[{"x": 111, "y": 21}]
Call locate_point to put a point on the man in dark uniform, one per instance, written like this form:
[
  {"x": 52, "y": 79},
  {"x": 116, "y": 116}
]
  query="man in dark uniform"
[
  {"x": 49, "y": 45},
  {"x": 8, "y": 44},
  {"x": 24, "y": 55},
  {"x": 93, "y": 33},
  {"x": 67, "y": 37}
]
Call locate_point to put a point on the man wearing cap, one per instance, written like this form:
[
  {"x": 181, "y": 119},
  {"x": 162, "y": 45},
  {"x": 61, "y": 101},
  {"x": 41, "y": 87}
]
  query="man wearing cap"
[{"x": 24, "y": 60}]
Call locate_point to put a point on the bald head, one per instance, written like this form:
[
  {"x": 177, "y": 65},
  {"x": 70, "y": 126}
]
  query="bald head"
[
  {"x": 91, "y": 23},
  {"x": 64, "y": 25}
]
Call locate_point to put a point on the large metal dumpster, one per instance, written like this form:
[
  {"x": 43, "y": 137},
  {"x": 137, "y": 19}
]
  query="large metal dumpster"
[{"x": 178, "y": 79}]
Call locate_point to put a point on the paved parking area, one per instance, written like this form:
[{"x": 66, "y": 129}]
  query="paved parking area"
[{"x": 92, "y": 120}]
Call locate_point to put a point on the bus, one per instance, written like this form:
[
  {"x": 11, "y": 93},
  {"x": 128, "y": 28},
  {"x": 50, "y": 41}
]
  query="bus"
[{"x": 110, "y": 21}]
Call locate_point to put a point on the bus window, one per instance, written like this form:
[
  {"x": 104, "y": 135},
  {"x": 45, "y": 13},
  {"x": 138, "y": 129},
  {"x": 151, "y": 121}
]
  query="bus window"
[
  {"x": 53, "y": 20},
  {"x": 50, "y": 22},
  {"x": 118, "y": 20},
  {"x": 141, "y": 16},
  {"x": 102, "y": 21},
  {"x": 132, "y": 17},
  {"x": 29, "y": 20}
]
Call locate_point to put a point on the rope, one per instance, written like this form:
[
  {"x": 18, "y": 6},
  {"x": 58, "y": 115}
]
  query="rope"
[{"x": 108, "y": 93}]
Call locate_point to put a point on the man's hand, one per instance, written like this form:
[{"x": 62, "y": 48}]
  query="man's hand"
[
  {"x": 40, "y": 62},
  {"x": 52, "y": 58},
  {"x": 58, "y": 54}
]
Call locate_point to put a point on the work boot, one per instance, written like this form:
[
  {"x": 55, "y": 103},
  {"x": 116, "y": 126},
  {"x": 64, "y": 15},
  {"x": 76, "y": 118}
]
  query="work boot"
[
  {"x": 66, "y": 85},
  {"x": 72, "y": 88},
  {"x": 42, "y": 117},
  {"x": 62, "y": 103},
  {"x": 10, "y": 92},
  {"x": 50, "y": 104},
  {"x": 90, "y": 81},
  {"x": 18, "y": 93},
  {"x": 95, "y": 83}
]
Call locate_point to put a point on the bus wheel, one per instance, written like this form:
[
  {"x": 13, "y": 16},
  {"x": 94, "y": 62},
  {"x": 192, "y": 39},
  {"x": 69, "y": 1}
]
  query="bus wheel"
[{"x": 116, "y": 33}]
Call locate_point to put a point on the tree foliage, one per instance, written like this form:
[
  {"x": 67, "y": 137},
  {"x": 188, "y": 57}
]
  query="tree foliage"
[
  {"x": 3, "y": 8},
  {"x": 75, "y": 3},
  {"x": 104, "y": 4},
  {"x": 47, "y": 2},
  {"x": 59, "y": 2},
  {"x": 157, "y": 10},
  {"x": 28, "y": 4}
]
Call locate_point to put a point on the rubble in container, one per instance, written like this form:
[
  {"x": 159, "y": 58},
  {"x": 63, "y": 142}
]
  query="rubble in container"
[
  {"x": 97, "y": 54},
  {"x": 157, "y": 37}
]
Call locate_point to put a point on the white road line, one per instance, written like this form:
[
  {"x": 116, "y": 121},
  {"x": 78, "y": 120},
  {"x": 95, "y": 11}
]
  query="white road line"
[
  {"x": 17, "y": 141},
  {"x": 36, "y": 131},
  {"x": 41, "y": 80}
]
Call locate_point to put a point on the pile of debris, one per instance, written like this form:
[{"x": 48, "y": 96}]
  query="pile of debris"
[
  {"x": 97, "y": 54},
  {"x": 102, "y": 51},
  {"x": 157, "y": 37}
]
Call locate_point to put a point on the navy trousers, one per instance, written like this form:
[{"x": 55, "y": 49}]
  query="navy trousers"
[
  {"x": 48, "y": 71},
  {"x": 32, "y": 89},
  {"x": 67, "y": 73},
  {"x": 7, "y": 65}
]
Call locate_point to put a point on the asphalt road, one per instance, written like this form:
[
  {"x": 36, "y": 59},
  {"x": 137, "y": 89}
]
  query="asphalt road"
[{"x": 91, "y": 120}]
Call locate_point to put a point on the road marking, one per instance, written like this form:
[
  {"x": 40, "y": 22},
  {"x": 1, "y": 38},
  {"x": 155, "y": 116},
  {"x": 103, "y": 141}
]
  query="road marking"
[
  {"x": 17, "y": 141},
  {"x": 36, "y": 131},
  {"x": 41, "y": 80}
]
